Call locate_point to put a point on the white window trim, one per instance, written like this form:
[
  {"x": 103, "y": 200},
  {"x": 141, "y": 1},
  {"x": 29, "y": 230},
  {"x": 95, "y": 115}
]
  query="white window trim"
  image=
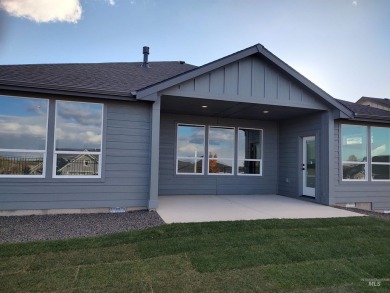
[
  {"x": 181, "y": 157},
  {"x": 376, "y": 163},
  {"x": 251, "y": 160},
  {"x": 368, "y": 177},
  {"x": 44, "y": 152},
  {"x": 226, "y": 159},
  {"x": 55, "y": 153}
]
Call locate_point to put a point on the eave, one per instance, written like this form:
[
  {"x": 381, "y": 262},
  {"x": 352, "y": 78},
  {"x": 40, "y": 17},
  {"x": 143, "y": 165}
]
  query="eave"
[{"x": 66, "y": 91}]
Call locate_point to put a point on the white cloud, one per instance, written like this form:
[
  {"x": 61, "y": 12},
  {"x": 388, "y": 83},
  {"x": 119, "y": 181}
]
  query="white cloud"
[
  {"x": 44, "y": 10},
  {"x": 355, "y": 3},
  {"x": 93, "y": 137},
  {"x": 111, "y": 2}
]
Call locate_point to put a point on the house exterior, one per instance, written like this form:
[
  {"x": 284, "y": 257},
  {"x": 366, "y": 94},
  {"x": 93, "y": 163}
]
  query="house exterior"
[
  {"x": 383, "y": 104},
  {"x": 244, "y": 124}
]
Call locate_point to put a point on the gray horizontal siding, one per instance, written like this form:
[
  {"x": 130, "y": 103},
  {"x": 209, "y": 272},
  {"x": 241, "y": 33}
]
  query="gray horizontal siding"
[
  {"x": 126, "y": 169},
  {"x": 172, "y": 184},
  {"x": 290, "y": 155},
  {"x": 378, "y": 193},
  {"x": 249, "y": 80}
]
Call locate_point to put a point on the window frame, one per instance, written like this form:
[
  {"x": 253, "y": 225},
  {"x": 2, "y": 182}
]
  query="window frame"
[
  {"x": 342, "y": 162},
  {"x": 234, "y": 151},
  {"x": 55, "y": 152},
  {"x": 177, "y": 144},
  {"x": 44, "y": 152},
  {"x": 376, "y": 163},
  {"x": 251, "y": 160}
]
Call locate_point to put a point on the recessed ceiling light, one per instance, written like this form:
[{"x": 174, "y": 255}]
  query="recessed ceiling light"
[
  {"x": 204, "y": 106},
  {"x": 265, "y": 112}
]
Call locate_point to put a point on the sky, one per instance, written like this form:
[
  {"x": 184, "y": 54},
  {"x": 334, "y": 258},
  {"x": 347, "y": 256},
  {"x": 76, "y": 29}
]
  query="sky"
[{"x": 343, "y": 46}]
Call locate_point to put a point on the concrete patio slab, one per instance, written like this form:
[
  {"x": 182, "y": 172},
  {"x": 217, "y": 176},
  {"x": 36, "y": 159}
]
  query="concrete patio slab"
[{"x": 209, "y": 208}]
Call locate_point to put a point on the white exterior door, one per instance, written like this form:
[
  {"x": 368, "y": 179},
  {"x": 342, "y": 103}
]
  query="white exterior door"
[{"x": 309, "y": 166}]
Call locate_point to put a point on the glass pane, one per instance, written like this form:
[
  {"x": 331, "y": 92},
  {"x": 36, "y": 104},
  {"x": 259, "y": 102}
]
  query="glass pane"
[
  {"x": 354, "y": 143},
  {"x": 23, "y": 123},
  {"x": 380, "y": 172},
  {"x": 15, "y": 163},
  {"x": 380, "y": 144},
  {"x": 221, "y": 166},
  {"x": 248, "y": 167},
  {"x": 310, "y": 163},
  {"x": 249, "y": 144},
  {"x": 77, "y": 165},
  {"x": 354, "y": 171},
  {"x": 221, "y": 142},
  {"x": 78, "y": 126},
  {"x": 193, "y": 166},
  {"x": 190, "y": 141}
]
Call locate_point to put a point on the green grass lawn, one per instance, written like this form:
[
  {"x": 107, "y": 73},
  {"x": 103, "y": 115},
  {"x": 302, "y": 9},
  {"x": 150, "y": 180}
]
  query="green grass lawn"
[{"x": 320, "y": 255}]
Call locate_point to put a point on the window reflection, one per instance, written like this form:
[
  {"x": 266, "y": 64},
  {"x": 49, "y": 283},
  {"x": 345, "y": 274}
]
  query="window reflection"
[
  {"x": 221, "y": 150},
  {"x": 249, "y": 151},
  {"x": 221, "y": 142},
  {"x": 380, "y": 153},
  {"x": 78, "y": 126},
  {"x": 190, "y": 149},
  {"x": 20, "y": 163},
  {"x": 23, "y": 127},
  {"x": 23, "y": 123},
  {"x": 78, "y": 139},
  {"x": 354, "y": 151},
  {"x": 77, "y": 165}
]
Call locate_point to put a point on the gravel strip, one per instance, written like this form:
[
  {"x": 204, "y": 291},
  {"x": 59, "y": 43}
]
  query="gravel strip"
[
  {"x": 53, "y": 227},
  {"x": 368, "y": 213}
]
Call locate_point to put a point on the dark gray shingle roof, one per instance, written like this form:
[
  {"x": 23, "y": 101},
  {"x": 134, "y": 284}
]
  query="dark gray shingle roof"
[
  {"x": 363, "y": 110},
  {"x": 114, "y": 78}
]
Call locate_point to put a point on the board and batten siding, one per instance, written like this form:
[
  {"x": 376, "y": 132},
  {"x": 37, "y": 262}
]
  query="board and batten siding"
[
  {"x": 172, "y": 184},
  {"x": 291, "y": 133},
  {"x": 125, "y": 168},
  {"x": 251, "y": 80},
  {"x": 376, "y": 192}
]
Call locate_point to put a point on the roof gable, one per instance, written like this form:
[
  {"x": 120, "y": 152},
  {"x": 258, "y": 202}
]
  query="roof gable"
[
  {"x": 276, "y": 72},
  {"x": 250, "y": 80}
]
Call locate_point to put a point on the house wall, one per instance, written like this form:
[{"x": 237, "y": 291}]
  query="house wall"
[
  {"x": 377, "y": 193},
  {"x": 125, "y": 168},
  {"x": 290, "y": 155},
  {"x": 172, "y": 184}
]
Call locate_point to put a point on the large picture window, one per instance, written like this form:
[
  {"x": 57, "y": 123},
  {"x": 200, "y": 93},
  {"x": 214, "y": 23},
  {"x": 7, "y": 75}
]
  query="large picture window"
[
  {"x": 380, "y": 153},
  {"x": 249, "y": 152},
  {"x": 78, "y": 139},
  {"x": 354, "y": 152},
  {"x": 23, "y": 135},
  {"x": 221, "y": 150},
  {"x": 190, "y": 149}
]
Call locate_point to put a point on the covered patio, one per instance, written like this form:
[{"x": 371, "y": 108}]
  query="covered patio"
[{"x": 209, "y": 208}]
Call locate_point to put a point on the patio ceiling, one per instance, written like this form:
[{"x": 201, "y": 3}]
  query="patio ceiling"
[{"x": 225, "y": 109}]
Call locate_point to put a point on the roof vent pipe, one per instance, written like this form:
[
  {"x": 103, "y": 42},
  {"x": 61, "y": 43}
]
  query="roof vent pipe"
[{"x": 146, "y": 53}]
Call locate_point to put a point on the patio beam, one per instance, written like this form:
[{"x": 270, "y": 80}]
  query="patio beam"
[{"x": 155, "y": 154}]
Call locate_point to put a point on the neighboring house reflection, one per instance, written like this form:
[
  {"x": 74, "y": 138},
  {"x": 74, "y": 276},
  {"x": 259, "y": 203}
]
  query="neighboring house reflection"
[{"x": 83, "y": 164}]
